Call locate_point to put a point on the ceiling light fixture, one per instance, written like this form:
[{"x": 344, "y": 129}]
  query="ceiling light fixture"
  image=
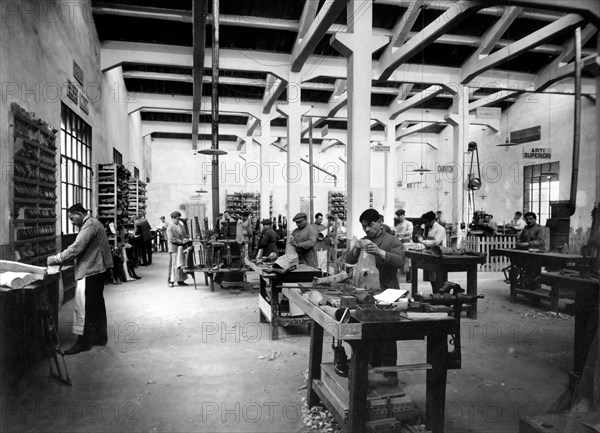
[{"x": 212, "y": 151}]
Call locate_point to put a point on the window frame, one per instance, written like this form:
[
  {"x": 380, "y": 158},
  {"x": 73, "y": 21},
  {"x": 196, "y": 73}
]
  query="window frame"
[
  {"x": 76, "y": 173},
  {"x": 541, "y": 186}
]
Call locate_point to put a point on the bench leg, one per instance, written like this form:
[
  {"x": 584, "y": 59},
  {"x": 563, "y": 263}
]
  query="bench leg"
[{"x": 554, "y": 297}]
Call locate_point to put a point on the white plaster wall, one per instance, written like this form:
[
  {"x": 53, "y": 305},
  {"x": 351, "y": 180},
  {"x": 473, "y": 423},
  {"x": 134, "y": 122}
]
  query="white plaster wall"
[
  {"x": 39, "y": 40},
  {"x": 114, "y": 105},
  {"x": 38, "y": 43},
  {"x": 502, "y": 167}
]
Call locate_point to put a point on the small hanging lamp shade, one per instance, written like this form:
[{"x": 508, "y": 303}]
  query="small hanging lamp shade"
[{"x": 211, "y": 151}]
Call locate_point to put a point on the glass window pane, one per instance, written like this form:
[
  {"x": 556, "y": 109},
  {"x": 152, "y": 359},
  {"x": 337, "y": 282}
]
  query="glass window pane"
[
  {"x": 63, "y": 196},
  {"x": 63, "y": 170},
  {"x": 64, "y": 222}
]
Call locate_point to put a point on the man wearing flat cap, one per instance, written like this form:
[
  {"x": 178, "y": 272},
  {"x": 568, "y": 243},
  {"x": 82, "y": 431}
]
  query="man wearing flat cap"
[
  {"x": 304, "y": 239},
  {"x": 268, "y": 238},
  {"x": 176, "y": 237}
]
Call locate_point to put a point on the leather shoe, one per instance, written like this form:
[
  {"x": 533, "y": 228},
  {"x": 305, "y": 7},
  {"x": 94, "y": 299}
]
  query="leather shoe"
[
  {"x": 182, "y": 283},
  {"x": 78, "y": 347}
]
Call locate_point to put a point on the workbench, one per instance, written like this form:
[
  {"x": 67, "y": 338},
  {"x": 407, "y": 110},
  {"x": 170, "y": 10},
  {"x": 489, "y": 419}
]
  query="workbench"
[
  {"x": 236, "y": 270},
  {"x": 270, "y": 293},
  {"x": 21, "y": 334},
  {"x": 520, "y": 259},
  {"x": 440, "y": 266},
  {"x": 586, "y": 312},
  {"x": 351, "y": 412}
]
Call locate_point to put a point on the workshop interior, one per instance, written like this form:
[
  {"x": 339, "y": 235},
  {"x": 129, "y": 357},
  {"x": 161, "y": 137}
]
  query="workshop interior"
[{"x": 300, "y": 216}]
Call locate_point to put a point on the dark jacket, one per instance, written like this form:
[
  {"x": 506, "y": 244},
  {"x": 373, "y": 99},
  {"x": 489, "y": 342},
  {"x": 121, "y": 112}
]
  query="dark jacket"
[
  {"x": 388, "y": 268},
  {"x": 268, "y": 241},
  {"x": 142, "y": 228}
]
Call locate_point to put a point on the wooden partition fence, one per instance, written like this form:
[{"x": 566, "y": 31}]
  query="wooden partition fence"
[{"x": 484, "y": 244}]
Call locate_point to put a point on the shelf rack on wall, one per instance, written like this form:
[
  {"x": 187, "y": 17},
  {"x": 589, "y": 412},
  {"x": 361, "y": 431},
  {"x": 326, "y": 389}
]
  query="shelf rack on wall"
[
  {"x": 239, "y": 202},
  {"x": 337, "y": 203},
  {"x": 137, "y": 197},
  {"x": 113, "y": 197},
  {"x": 32, "y": 198}
]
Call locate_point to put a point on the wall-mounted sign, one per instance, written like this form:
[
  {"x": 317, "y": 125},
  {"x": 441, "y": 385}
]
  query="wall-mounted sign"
[
  {"x": 72, "y": 92},
  {"x": 84, "y": 104},
  {"x": 526, "y": 135},
  {"x": 77, "y": 73},
  {"x": 537, "y": 153},
  {"x": 380, "y": 148},
  {"x": 445, "y": 169},
  {"x": 488, "y": 113}
]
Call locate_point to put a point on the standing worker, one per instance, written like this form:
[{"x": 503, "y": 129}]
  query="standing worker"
[
  {"x": 91, "y": 253},
  {"x": 176, "y": 237},
  {"x": 143, "y": 229},
  {"x": 304, "y": 239}
]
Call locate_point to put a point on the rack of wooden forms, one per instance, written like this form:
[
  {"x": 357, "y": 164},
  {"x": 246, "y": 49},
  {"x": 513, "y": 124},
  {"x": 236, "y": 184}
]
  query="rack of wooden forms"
[
  {"x": 32, "y": 199},
  {"x": 484, "y": 244},
  {"x": 113, "y": 198},
  {"x": 137, "y": 197}
]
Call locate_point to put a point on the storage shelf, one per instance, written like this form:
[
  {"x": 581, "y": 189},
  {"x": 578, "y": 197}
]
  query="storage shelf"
[
  {"x": 38, "y": 155},
  {"x": 35, "y": 240},
  {"x": 48, "y": 149},
  {"x": 33, "y": 123},
  {"x": 35, "y": 220}
]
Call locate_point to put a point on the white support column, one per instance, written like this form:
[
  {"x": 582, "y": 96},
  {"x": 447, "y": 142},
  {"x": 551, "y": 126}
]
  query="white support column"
[
  {"x": 294, "y": 111},
  {"x": 147, "y": 151},
  {"x": 352, "y": 45},
  {"x": 459, "y": 119},
  {"x": 265, "y": 190},
  {"x": 391, "y": 177}
]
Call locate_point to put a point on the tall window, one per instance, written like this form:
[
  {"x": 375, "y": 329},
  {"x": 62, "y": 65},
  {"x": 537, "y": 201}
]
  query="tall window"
[
  {"x": 117, "y": 157},
  {"x": 540, "y": 185},
  {"x": 75, "y": 164}
]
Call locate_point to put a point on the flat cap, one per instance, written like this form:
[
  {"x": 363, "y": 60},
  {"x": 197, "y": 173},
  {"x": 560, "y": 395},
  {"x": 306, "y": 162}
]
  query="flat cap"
[
  {"x": 175, "y": 214},
  {"x": 299, "y": 216},
  {"x": 266, "y": 221}
]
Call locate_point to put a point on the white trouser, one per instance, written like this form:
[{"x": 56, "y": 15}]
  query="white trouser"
[{"x": 79, "y": 308}]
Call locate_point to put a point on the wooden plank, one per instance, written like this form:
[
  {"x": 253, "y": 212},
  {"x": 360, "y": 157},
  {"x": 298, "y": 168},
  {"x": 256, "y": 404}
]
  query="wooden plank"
[{"x": 532, "y": 40}]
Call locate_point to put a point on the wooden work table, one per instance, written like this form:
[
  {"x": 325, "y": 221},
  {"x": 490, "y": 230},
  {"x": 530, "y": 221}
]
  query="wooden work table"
[
  {"x": 21, "y": 333},
  {"x": 351, "y": 414},
  {"x": 521, "y": 259},
  {"x": 441, "y": 266},
  {"x": 586, "y": 292},
  {"x": 270, "y": 293}
]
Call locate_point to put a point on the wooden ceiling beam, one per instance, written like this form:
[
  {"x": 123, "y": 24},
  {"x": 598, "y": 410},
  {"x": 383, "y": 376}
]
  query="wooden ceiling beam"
[
  {"x": 472, "y": 70},
  {"x": 391, "y": 59},
  {"x": 274, "y": 89},
  {"x": 493, "y": 98},
  {"x": 405, "y": 23},
  {"x": 415, "y": 100},
  {"x": 415, "y": 129},
  {"x": 295, "y": 26},
  {"x": 309, "y": 12},
  {"x": 493, "y": 35},
  {"x": 318, "y": 29}
]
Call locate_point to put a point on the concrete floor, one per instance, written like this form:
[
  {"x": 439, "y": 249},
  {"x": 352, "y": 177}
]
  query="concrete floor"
[{"x": 180, "y": 360}]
